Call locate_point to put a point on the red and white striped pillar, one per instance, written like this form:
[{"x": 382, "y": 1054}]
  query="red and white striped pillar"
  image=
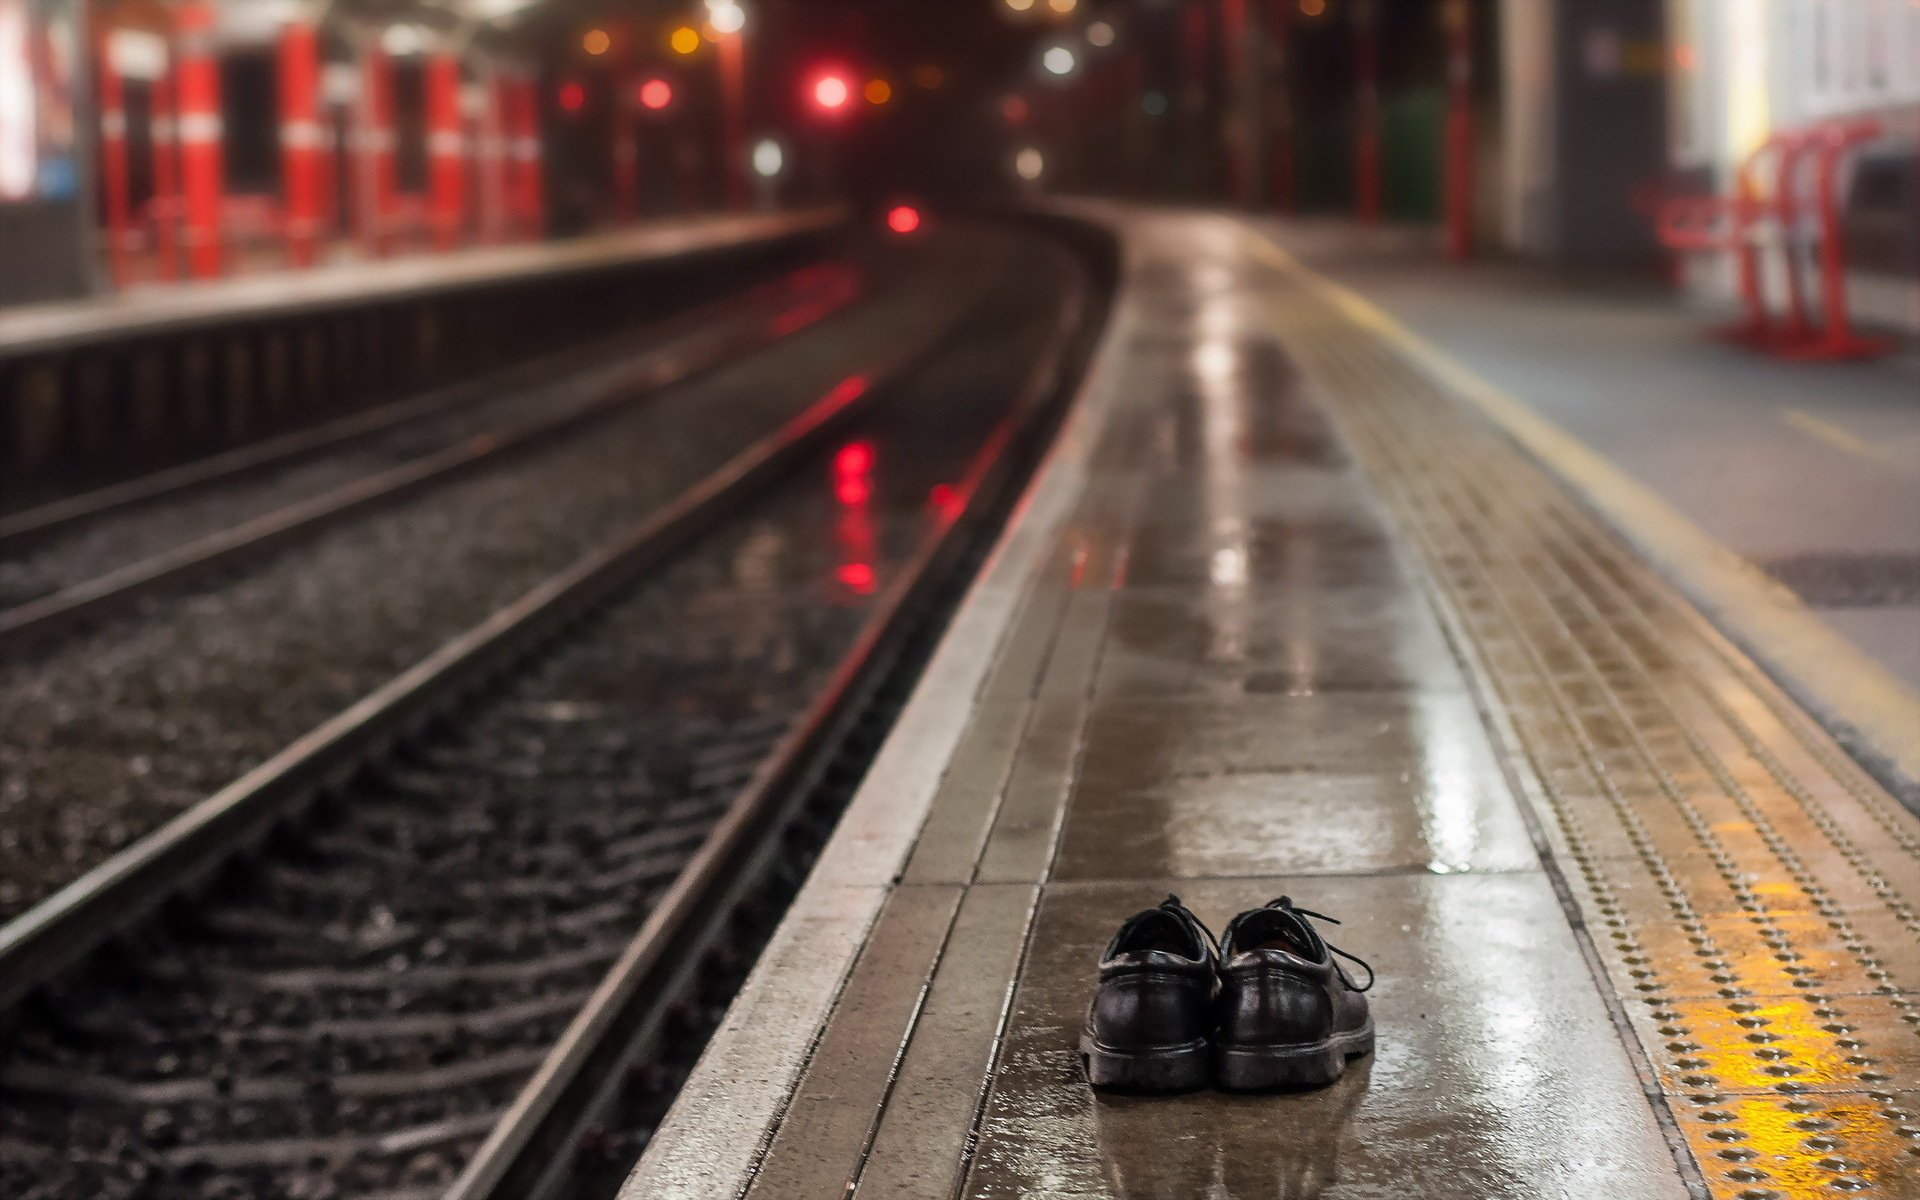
[
  {"x": 200, "y": 131},
  {"x": 166, "y": 176},
  {"x": 300, "y": 143},
  {"x": 529, "y": 199},
  {"x": 375, "y": 138},
  {"x": 115, "y": 193},
  {"x": 328, "y": 168},
  {"x": 446, "y": 151},
  {"x": 1366, "y": 153},
  {"x": 495, "y": 215},
  {"x": 1459, "y": 136}
]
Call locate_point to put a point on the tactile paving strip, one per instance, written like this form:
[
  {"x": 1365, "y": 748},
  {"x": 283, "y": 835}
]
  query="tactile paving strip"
[{"x": 1752, "y": 893}]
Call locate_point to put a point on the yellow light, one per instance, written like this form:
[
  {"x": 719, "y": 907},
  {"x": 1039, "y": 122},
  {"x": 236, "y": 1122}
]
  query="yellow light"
[
  {"x": 1020, "y": 5},
  {"x": 1312, "y": 8},
  {"x": 1062, "y": 6},
  {"x": 929, "y": 76},
  {"x": 878, "y": 91},
  {"x": 596, "y": 42},
  {"x": 684, "y": 40}
]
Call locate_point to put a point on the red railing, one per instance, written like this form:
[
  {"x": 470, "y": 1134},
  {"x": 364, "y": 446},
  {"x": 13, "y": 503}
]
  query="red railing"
[{"x": 1752, "y": 219}]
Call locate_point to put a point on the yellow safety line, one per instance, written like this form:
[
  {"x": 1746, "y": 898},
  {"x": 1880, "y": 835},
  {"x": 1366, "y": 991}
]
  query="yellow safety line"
[
  {"x": 1842, "y": 681},
  {"x": 1838, "y": 438}
]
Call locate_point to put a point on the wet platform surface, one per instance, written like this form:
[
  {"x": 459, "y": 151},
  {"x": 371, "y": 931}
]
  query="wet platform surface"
[{"x": 1284, "y": 617}]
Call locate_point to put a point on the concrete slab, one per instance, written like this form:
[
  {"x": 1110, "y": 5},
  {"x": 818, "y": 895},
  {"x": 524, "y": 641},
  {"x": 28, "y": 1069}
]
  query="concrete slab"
[
  {"x": 1292, "y": 640},
  {"x": 1498, "y": 1073},
  {"x": 835, "y": 1110},
  {"x": 1422, "y": 794}
]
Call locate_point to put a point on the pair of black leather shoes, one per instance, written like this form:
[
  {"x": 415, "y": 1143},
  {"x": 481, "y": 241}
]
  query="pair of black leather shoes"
[{"x": 1267, "y": 1006}]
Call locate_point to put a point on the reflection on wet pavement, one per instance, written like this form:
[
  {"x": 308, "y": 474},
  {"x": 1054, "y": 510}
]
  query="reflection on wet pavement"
[{"x": 1273, "y": 1148}]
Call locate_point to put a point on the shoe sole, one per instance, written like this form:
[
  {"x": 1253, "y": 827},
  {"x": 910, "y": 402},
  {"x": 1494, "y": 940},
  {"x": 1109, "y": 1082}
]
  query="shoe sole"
[
  {"x": 1266, "y": 1068},
  {"x": 1157, "y": 1069}
]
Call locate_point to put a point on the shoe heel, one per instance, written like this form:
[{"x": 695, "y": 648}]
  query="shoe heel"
[{"x": 1169, "y": 1069}]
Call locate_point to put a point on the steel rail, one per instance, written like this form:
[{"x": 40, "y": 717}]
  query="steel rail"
[
  {"x": 66, "y": 927},
  {"x": 528, "y": 1152},
  {"x": 630, "y": 384},
  {"x": 30, "y": 525}
]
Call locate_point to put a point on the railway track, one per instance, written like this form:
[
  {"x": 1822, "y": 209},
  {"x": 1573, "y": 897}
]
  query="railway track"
[
  {"x": 428, "y": 946},
  {"x": 125, "y": 722},
  {"x": 53, "y": 582}
]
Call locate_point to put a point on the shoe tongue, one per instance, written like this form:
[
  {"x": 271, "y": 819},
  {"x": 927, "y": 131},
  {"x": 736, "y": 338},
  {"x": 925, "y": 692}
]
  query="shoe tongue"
[
  {"x": 1158, "y": 929},
  {"x": 1276, "y": 929}
]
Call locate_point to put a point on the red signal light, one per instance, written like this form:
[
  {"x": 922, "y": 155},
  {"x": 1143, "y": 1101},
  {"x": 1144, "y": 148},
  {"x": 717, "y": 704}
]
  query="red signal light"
[
  {"x": 857, "y": 576},
  {"x": 852, "y": 491},
  {"x": 573, "y": 97},
  {"x": 851, "y": 465},
  {"x": 854, "y": 458},
  {"x": 831, "y": 92},
  {"x": 903, "y": 218},
  {"x": 656, "y": 94}
]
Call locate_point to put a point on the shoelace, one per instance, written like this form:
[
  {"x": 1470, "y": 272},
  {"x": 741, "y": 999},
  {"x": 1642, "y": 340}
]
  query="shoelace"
[
  {"x": 1173, "y": 905},
  {"x": 1286, "y": 904}
]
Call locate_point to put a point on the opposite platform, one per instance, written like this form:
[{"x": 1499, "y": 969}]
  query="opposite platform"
[
  {"x": 37, "y": 328},
  {"x": 1283, "y": 616}
]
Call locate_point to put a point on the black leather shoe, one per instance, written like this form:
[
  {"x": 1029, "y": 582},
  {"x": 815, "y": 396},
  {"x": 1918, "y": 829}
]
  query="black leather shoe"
[
  {"x": 1289, "y": 1015},
  {"x": 1147, "y": 1027}
]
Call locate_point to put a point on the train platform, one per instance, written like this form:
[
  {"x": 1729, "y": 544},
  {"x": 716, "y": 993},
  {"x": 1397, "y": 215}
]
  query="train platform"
[
  {"x": 38, "y": 328},
  {"x": 1290, "y": 610}
]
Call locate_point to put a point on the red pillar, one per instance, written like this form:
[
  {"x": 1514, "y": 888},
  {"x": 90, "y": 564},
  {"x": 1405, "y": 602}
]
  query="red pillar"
[
  {"x": 376, "y": 179},
  {"x": 529, "y": 201},
  {"x": 1366, "y": 152},
  {"x": 166, "y": 177},
  {"x": 1459, "y": 144},
  {"x": 1284, "y": 187},
  {"x": 114, "y": 190},
  {"x": 199, "y": 131},
  {"x": 446, "y": 151},
  {"x": 1233, "y": 37},
  {"x": 495, "y": 209},
  {"x": 626, "y": 155},
  {"x": 1194, "y": 103},
  {"x": 327, "y": 173},
  {"x": 300, "y": 140}
]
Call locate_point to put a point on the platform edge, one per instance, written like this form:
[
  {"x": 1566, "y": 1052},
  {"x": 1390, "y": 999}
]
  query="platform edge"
[{"x": 716, "y": 1134}]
